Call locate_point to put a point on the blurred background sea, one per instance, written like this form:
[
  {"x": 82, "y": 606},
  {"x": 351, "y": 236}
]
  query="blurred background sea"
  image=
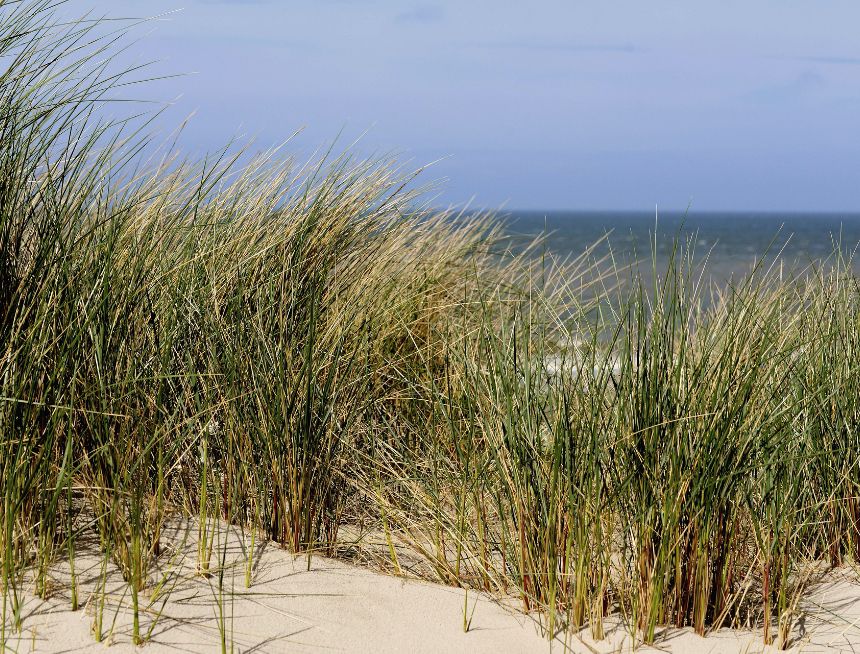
[{"x": 728, "y": 243}]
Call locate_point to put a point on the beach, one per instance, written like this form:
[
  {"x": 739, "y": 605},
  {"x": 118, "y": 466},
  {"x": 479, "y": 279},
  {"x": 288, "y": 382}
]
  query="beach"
[{"x": 330, "y": 605}]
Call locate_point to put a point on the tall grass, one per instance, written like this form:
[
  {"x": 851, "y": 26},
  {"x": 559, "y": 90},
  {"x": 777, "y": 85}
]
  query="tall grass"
[{"x": 298, "y": 348}]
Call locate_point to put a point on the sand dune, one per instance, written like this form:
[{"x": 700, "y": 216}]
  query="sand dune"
[{"x": 338, "y": 607}]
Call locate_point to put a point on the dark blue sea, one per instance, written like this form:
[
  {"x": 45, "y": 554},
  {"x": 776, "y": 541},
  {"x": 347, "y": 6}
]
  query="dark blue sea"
[{"x": 729, "y": 244}]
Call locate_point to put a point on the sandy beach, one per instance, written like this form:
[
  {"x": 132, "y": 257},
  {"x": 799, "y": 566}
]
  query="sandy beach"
[{"x": 338, "y": 607}]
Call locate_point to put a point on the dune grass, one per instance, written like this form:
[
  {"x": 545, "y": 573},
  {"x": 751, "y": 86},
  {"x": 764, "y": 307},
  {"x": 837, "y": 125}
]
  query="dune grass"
[{"x": 300, "y": 348}]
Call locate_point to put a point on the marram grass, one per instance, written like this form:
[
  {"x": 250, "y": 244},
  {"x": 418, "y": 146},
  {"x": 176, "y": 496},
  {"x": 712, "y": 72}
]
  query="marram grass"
[{"x": 302, "y": 349}]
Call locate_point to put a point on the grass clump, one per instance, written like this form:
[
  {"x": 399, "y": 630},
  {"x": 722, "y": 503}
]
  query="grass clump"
[{"x": 302, "y": 348}]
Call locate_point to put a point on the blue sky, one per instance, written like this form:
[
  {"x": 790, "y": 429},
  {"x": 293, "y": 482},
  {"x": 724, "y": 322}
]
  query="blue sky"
[{"x": 543, "y": 105}]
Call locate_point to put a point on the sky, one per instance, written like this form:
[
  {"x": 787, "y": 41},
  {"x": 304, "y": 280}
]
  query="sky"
[{"x": 736, "y": 105}]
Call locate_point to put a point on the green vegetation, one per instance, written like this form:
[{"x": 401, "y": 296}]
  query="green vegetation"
[{"x": 301, "y": 349}]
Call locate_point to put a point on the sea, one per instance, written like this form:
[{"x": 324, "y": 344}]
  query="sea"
[{"x": 728, "y": 245}]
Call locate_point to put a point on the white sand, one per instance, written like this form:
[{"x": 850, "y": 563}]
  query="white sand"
[{"x": 343, "y": 608}]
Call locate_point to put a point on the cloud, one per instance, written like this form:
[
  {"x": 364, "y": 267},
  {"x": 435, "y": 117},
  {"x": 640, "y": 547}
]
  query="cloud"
[
  {"x": 561, "y": 46},
  {"x": 234, "y": 2},
  {"x": 421, "y": 14},
  {"x": 807, "y": 84},
  {"x": 844, "y": 61}
]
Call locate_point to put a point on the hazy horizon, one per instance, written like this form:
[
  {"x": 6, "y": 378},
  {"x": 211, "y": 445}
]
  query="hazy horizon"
[
  {"x": 736, "y": 106},
  {"x": 674, "y": 211}
]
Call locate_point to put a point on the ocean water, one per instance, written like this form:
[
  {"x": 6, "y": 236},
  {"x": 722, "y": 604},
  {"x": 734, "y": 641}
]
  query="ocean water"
[{"x": 729, "y": 244}]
